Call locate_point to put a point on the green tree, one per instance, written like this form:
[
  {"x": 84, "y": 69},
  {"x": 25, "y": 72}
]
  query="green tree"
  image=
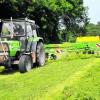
[
  {"x": 93, "y": 29},
  {"x": 47, "y": 14}
]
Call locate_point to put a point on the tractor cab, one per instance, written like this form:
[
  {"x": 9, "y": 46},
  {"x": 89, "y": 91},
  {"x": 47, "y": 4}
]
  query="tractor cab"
[{"x": 17, "y": 28}]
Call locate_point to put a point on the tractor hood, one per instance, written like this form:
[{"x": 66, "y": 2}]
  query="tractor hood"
[{"x": 13, "y": 47}]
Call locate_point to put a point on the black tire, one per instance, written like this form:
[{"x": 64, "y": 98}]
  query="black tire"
[
  {"x": 53, "y": 57},
  {"x": 8, "y": 64},
  {"x": 84, "y": 52},
  {"x": 40, "y": 54},
  {"x": 89, "y": 52},
  {"x": 93, "y": 52},
  {"x": 25, "y": 63}
]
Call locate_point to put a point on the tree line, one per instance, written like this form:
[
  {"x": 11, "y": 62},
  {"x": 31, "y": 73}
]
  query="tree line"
[
  {"x": 59, "y": 20},
  {"x": 93, "y": 29}
]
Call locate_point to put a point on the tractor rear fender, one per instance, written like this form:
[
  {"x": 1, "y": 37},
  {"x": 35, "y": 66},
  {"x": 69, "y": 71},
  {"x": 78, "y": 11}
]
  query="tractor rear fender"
[{"x": 34, "y": 41}]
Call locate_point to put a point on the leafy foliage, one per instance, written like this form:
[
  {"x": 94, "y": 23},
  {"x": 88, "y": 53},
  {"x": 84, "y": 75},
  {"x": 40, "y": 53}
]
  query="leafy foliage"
[
  {"x": 93, "y": 29},
  {"x": 47, "y": 14}
]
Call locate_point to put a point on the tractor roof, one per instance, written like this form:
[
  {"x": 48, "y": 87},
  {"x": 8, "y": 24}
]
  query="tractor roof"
[{"x": 20, "y": 20}]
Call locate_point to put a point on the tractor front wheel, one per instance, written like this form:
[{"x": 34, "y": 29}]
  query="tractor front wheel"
[{"x": 25, "y": 63}]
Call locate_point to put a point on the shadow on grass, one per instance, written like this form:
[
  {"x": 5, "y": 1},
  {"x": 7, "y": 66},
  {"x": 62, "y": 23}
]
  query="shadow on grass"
[
  {"x": 97, "y": 56},
  {"x": 12, "y": 70},
  {"x": 8, "y": 71}
]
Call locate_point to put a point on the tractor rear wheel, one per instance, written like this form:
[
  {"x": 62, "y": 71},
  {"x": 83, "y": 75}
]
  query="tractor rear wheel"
[
  {"x": 40, "y": 54},
  {"x": 25, "y": 63}
]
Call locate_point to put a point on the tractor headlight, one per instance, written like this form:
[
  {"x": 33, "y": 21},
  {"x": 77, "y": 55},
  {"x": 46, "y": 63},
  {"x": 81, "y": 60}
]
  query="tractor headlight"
[
  {"x": 3, "y": 52},
  {"x": 3, "y": 48}
]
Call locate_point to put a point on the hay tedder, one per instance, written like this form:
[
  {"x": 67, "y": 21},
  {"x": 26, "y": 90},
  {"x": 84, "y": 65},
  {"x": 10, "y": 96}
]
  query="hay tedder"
[{"x": 88, "y": 45}]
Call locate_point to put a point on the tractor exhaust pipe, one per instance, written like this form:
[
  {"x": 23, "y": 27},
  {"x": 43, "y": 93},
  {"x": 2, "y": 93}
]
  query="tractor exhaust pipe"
[{"x": 0, "y": 26}]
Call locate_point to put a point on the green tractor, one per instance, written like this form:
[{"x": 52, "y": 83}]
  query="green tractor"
[{"x": 20, "y": 45}]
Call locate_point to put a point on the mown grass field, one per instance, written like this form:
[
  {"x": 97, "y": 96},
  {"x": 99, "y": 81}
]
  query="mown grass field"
[{"x": 72, "y": 77}]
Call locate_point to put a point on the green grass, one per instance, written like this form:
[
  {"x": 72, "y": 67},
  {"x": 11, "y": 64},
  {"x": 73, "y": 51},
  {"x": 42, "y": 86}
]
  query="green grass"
[
  {"x": 84, "y": 84},
  {"x": 81, "y": 85},
  {"x": 69, "y": 75}
]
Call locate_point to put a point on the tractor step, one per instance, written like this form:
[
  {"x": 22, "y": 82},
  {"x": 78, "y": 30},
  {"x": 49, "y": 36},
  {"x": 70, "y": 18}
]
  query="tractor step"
[{"x": 16, "y": 62}]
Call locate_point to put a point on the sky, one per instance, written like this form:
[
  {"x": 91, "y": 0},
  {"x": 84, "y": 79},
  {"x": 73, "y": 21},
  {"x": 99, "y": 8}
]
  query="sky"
[{"x": 93, "y": 10}]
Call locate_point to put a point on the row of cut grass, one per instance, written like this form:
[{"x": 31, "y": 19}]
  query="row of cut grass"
[{"x": 42, "y": 83}]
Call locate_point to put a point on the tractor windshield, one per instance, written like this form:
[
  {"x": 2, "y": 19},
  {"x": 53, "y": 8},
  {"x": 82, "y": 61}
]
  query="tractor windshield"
[{"x": 12, "y": 29}]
